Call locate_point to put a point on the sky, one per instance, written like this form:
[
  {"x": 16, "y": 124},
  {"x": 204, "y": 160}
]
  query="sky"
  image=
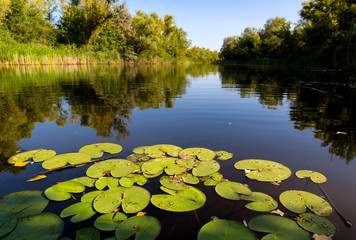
[{"x": 208, "y": 22}]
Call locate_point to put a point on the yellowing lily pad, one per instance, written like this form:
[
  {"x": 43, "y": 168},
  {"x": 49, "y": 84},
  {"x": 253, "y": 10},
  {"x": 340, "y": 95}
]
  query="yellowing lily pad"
[
  {"x": 225, "y": 230},
  {"x": 314, "y": 176},
  {"x": 97, "y": 150},
  {"x": 116, "y": 167},
  {"x": 61, "y": 191},
  {"x": 63, "y": 159},
  {"x": 206, "y": 168},
  {"x": 315, "y": 224},
  {"x": 38, "y": 155},
  {"x": 145, "y": 228},
  {"x": 299, "y": 201},
  {"x": 109, "y": 221},
  {"x": 261, "y": 202},
  {"x": 264, "y": 170},
  {"x": 81, "y": 211},
  {"x": 232, "y": 190},
  {"x": 202, "y": 154}
]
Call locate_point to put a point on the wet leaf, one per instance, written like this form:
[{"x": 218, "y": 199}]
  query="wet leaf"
[
  {"x": 131, "y": 179},
  {"x": 38, "y": 155},
  {"x": 206, "y": 168},
  {"x": 315, "y": 224},
  {"x": 62, "y": 159},
  {"x": 225, "y": 230},
  {"x": 137, "y": 157},
  {"x": 213, "y": 179},
  {"x": 168, "y": 182},
  {"x": 145, "y": 227},
  {"x": 89, "y": 197},
  {"x": 223, "y": 155},
  {"x": 202, "y": 154},
  {"x": 8, "y": 222},
  {"x": 156, "y": 166},
  {"x": 110, "y": 182},
  {"x": 316, "y": 177},
  {"x": 261, "y": 202},
  {"x": 97, "y": 150},
  {"x": 39, "y": 177},
  {"x": 81, "y": 211},
  {"x": 117, "y": 167},
  {"x": 232, "y": 190},
  {"x": 109, "y": 221},
  {"x": 61, "y": 191},
  {"x": 188, "y": 178},
  {"x": 86, "y": 181},
  {"x": 157, "y": 151},
  {"x": 87, "y": 234}
]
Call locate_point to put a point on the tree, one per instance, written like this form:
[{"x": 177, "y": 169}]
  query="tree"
[{"x": 4, "y": 8}]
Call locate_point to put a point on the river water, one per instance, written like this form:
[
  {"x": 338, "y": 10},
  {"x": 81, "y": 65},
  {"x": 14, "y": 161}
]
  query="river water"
[{"x": 302, "y": 119}]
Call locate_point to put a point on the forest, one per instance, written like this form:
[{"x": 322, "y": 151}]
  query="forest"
[
  {"x": 90, "y": 31},
  {"x": 324, "y": 36}
]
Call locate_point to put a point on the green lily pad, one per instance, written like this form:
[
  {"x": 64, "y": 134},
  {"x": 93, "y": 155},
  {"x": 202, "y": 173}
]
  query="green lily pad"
[
  {"x": 46, "y": 226},
  {"x": 8, "y": 221},
  {"x": 25, "y": 203},
  {"x": 89, "y": 197},
  {"x": 212, "y": 179},
  {"x": 232, "y": 190},
  {"x": 87, "y": 234},
  {"x": 314, "y": 176},
  {"x": 132, "y": 199},
  {"x": 137, "y": 157},
  {"x": 206, "y": 168},
  {"x": 315, "y": 224},
  {"x": 140, "y": 150},
  {"x": 110, "y": 182},
  {"x": 109, "y": 221},
  {"x": 185, "y": 200},
  {"x": 86, "y": 181},
  {"x": 145, "y": 227},
  {"x": 223, "y": 155},
  {"x": 225, "y": 230},
  {"x": 261, "y": 202},
  {"x": 62, "y": 159},
  {"x": 264, "y": 170},
  {"x": 280, "y": 228},
  {"x": 38, "y": 155},
  {"x": 155, "y": 166},
  {"x": 174, "y": 168},
  {"x": 160, "y": 150},
  {"x": 116, "y": 167},
  {"x": 130, "y": 179},
  {"x": 97, "y": 150},
  {"x": 202, "y": 154},
  {"x": 172, "y": 183},
  {"x": 61, "y": 191},
  {"x": 188, "y": 178},
  {"x": 298, "y": 201},
  {"x": 81, "y": 211}
]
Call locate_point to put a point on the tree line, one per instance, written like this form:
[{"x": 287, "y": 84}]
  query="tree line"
[
  {"x": 75, "y": 31},
  {"x": 325, "y": 35}
]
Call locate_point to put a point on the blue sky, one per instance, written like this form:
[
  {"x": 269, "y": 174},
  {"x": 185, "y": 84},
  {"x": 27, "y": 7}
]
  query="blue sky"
[{"x": 208, "y": 22}]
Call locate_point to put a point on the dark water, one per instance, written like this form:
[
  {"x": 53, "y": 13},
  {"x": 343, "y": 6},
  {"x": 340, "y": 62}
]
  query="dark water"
[{"x": 304, "y": 120}]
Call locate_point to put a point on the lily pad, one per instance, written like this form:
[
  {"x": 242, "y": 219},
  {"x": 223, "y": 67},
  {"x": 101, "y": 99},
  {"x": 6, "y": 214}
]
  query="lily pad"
[
  {"x": 109, "y": 221},
  {"x": 46, "y": 226},
  {"x": 264, "y": 170},
  {"x": 145, "y": 227},
  {"x": 97, "y": 150},
  {"x": 25, "y": 203},
  {"x": 212, "y": 179},
  {"x": 86, "y": 181},
  {"x": 87, "y": 234},
  {"x": 232, "y": 190},
  {"x": 223, "y": 155},
  {"x": 110, "y": 182},
  {"x": 62, "y": 159},
  {"x": 206, "y": 168},
  {"x": 171, "y": 183},
  {"x": 157, "y": 151},
  {"x": 298, "y": 201},
  {"x": 280, "y": 228},
  {"x": 38, "y": 155},
  {"x": 61, "y": 191},
  {"x": 155, "y": 166},
  {"x": 225, "y": 230},
  {"x": 188, "y": 178},
  {"x": 202, "y": 154},
  {"x": 8, "y": 222},
  {"x": 81, "y": 211},
  {"x": 116, "y": 167},
  {"x": 137, "y": 157},
  {"x": 132, "y": 200},
  {"x": 130, "y": 179},
  {"x": 315, "y": 224},
  {"x": 316, "y": 177},
  {"x": 261, "y": 202},
  {"x": 140, "y": 150},
  {"x": 186, "y": 200},
  {"x": 89, "y": 197}
]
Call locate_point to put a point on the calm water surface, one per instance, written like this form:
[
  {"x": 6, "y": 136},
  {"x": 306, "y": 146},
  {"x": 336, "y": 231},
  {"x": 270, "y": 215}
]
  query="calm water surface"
[{"x": 290, "y": 116}]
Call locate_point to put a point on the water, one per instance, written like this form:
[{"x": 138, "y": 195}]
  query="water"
[{"x": 302, "y": 119}]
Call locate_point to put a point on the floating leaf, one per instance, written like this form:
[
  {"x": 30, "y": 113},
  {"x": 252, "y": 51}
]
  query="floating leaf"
[
  {"x": 25, "y": 203},
  {"x": 188, "y": 178},
  {"x": 97, "y": 150},
  {"x": 261, "y": 202},
  {"x": 314, "y": 176},
  {"x": 21, "y": 164},
  {"x": 281, "y": 228},
  {"x": 315, "y": 224},
  {"x": 141, "y": 213},
  {"x": 109, "y": 222},
  {"x": 225, "y": 230},
  {"x": 87, "y": 234},
  {"x": 137, "y": 157},
  {"x": 117, "y": 167},
  {"x": 169, "y": 182},
  {"x": 89, "y": 197},
  {"x": 8, "y": 222},
  {"x": 264, "y": 170},
  {"x": 145, "y": 227},
  {"x": 40, "y": 226},
  {"x": 157, "y": 151},
  {"x": 223, "y": 155},
  {"x": 86, "y": 181},
  {"x": 38, "y": 155},
  {"x": 81, "y": 211},
  {"x": 39, "y": 177},
  {"x": 132, "y": 200},
  {"x": 232, "y": 190},
  {"x": 140, "y": 150},
  {"x": 155, "y": 166},
  {"x": 206, "y": 168},
  {"x": 130, "y": 179},
  {"x": 186, "y": 200},
  {"x": 202, "y": 154},
  {"x": 298, "y": 201},
  {"x": 62, "y": 159},
  {"x": 110, "y": 182},
  {"x": 61, "y": 191},
  {"x": 212, "y": 179}
]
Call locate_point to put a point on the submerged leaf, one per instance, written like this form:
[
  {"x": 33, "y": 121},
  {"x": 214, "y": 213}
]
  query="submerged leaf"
[
  {"x": 97, "y": 150},
  {"x": 145, "y": 227}
]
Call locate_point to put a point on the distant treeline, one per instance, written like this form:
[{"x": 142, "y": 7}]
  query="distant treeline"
[
  {"x": 324, "y": 36},
  {"x": 90, "y": 31}
]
